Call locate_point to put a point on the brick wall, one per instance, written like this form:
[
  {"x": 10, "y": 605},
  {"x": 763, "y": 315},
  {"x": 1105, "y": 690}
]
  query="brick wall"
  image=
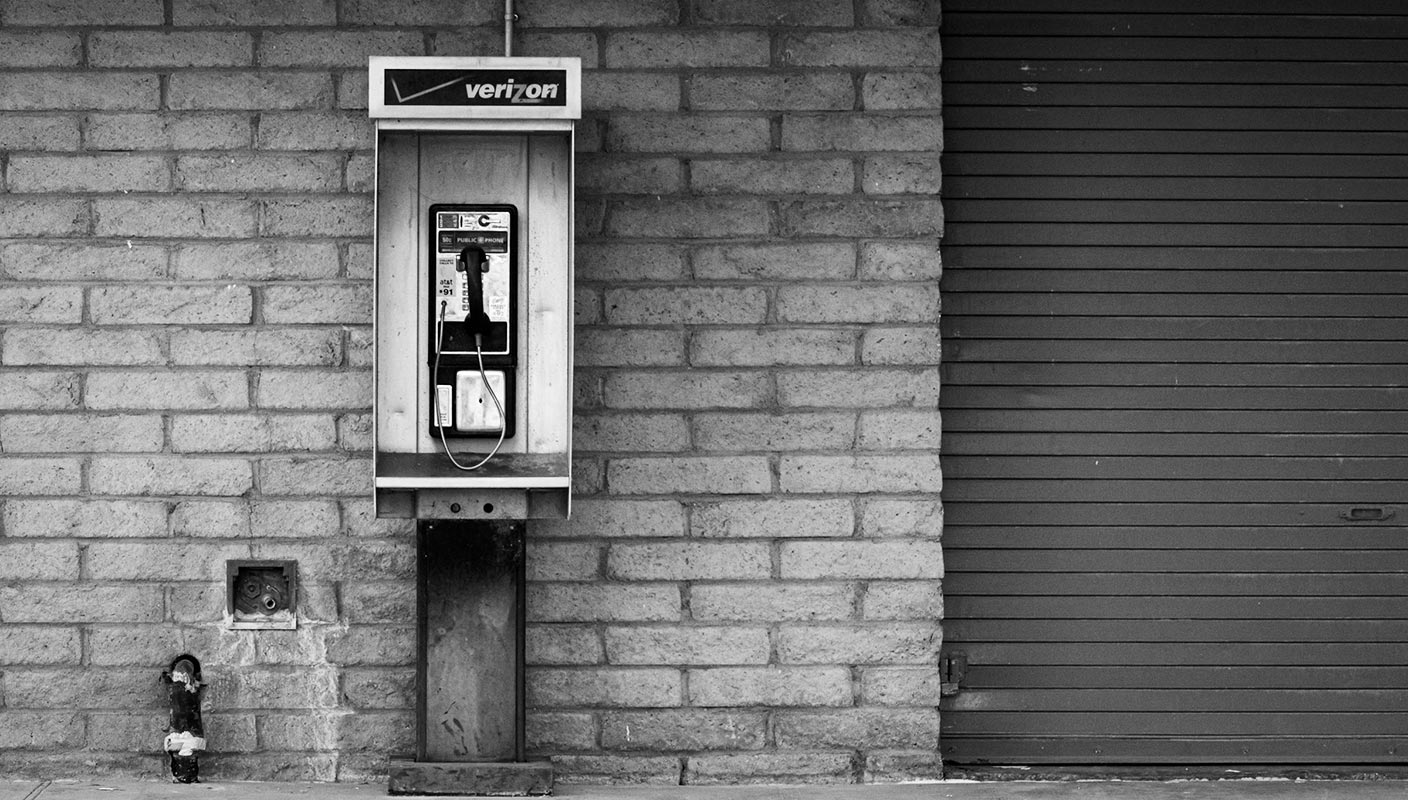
[{"x": 749, "y": 589}]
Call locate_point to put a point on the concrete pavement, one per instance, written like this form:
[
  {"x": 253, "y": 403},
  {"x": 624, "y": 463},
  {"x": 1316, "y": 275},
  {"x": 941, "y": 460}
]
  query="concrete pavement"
[{"x": 943, "y": 790}]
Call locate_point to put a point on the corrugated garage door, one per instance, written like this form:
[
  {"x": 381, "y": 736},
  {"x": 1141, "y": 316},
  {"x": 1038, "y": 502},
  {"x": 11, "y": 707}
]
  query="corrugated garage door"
[{"x": 1175, "y": 314}]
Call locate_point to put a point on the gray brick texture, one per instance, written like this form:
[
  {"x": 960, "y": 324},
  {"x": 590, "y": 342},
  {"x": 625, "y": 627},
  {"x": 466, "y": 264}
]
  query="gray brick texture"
[{"x": 750, "y": 587}]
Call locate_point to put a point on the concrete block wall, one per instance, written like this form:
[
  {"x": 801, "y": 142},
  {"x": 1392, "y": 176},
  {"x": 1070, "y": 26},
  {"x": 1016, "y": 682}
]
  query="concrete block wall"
[{"x": 749, "y": 589}]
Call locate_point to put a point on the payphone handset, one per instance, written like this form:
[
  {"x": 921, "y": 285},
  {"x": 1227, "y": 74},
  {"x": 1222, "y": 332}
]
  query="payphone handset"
[{"x": 473, "y": 335}]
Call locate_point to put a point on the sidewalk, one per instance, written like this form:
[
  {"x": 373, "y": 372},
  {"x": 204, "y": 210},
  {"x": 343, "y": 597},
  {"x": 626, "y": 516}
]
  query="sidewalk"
[{"x": 955, "y": 790}]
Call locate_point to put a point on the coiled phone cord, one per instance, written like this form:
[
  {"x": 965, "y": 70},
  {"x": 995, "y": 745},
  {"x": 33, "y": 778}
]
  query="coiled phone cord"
[{"x": 435, "y": 377}]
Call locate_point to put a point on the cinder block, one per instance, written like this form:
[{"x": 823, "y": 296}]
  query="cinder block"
[
  {"x": 57, "y": 14},
  {"x": 904, "y": 600},
  {"x": 772, "y": 601},
  {"x": 41, "y": 304},
  {"x": 63, "y": 261},
  {"x": 88, "y": 173},
  {"x": 40, "y": 476},
  {"x": 82, "y": 90},
  {"x": 902, "y": 91},
  {"x": 868, "y": 388},
  {"x": 171, "y": 305},
  {"x": 867, "y": 218},
  {"x": 773, "y": 518},
  {"x": 34, "y": 688},
  {"x": 651, "y": 389},
  {"x": 22, "y": 645},
  {"x": 697, "y": 48},
  {"x": 379, "y": 687},
  {"x": 779, "y": 13},
  {"x": 170, "y": 475},
  {"x": 772, "y": 176},
  {"x": 613, "y": 262},
  {"x": 553, "y": 644},
  {"x": 732, "y": 769},
  {"x": 79, "y": 433},
  {"x": 38, "y": 49},
  {"x": 322, "y": 216},
  {"x": 671, "y": 134},
  {"x": 22, "y": 216},
  {"x": 617, "y": 769},
  {"x": 618, "y": 90},
  {"x": 84, "y": 518},
  {"x": 903, "y": 429},
  {"x": 150, "y": 131},
  {"x": 861, "y": 474},
  {"x": 262, "y": 172},
  {"x": 563, "y": 560},
  {"x": 252, "y": 433},
  {"x": 877, "y": 727},
  {"x": 324, "y": 48},
  {"x": 314, "y": 389},
  {"x": 628, "y": 347},
  {"x": 686, "y": 305},
  {"x": 686, "y": 646},
  {"x": 776, "y": 262},
  {"x": 901, "y": 47},
  {"x": 917, "y": 344},
  {"x": 378, "y": 601},
  {"x": 373, "y": 645},
  {"x": 770, "y": 686},
  {"x": 446, "y": 14},
  {"x": 610, "y": 687},
  {"x": 33, "y": 730},
  {"x": 617, "y": 518},
  {"x": 900, "y": 686},
  {"x": 586, "y": 602},
  {"x": 772, "y": 91},
  {"x": 617, "y": 14},
  {"x": 691, "y": 218},
  {"x": 306, "y": 519},
  {"x": 175, "y": 49},
  {"x": 47, "y": 132},
  {"x": 32, "y": 560},
  {"x": 773, "y": 346},
  {"x": 548, "y": 732},
  {"x": 908, "y": 174},
  {"x": 884, "y": 517},
  {"x": 81, "y": 602},
  {"x": 803, "y": 132},
  {"x": 254, "y": 90},
  {"x": 39, "y": 391},
  {"x": 832, "y": 559},
  {"x": 900, "y": 12},
  {"x": 166, "y": 560},
  {"x": 314, "y": 130},
  {"x": 316, "y": 477},
  {"x": 256, "y": 347},
  {"x": 619, "y": 175},
  {"x": 899, "y": 643},
  {"x": 167, "y": 389},
  {"x": 175, "y": 217},
  {"x": 774, "y": 432},
  {"x": 683, "y": 730},
  {"x": 690, "y": 475}
]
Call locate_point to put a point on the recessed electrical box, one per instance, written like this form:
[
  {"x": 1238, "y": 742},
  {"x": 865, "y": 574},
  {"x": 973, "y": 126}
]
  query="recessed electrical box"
[
  {"x": 473, "y": 321},
  {"x": 261, "y": 595}
]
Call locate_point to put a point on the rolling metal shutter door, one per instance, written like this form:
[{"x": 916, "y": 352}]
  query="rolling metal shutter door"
[{"x": 1175, "y": 314}]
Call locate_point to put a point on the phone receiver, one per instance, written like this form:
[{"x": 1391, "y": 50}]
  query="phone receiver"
[{"x": 474, "y": 263}]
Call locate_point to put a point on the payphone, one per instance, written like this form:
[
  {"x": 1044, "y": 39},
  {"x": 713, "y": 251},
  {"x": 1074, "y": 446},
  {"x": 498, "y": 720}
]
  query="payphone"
[
  {"x": 473, "y": 253},
  {"x": 473, "y": 359}
]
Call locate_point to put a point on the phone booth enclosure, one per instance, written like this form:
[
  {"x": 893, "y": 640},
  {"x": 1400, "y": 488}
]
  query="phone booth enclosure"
[{"x": 457, "y": 184}]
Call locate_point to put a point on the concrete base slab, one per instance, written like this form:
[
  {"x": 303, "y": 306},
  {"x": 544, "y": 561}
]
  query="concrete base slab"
[{"x": 484, "y": 778}]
